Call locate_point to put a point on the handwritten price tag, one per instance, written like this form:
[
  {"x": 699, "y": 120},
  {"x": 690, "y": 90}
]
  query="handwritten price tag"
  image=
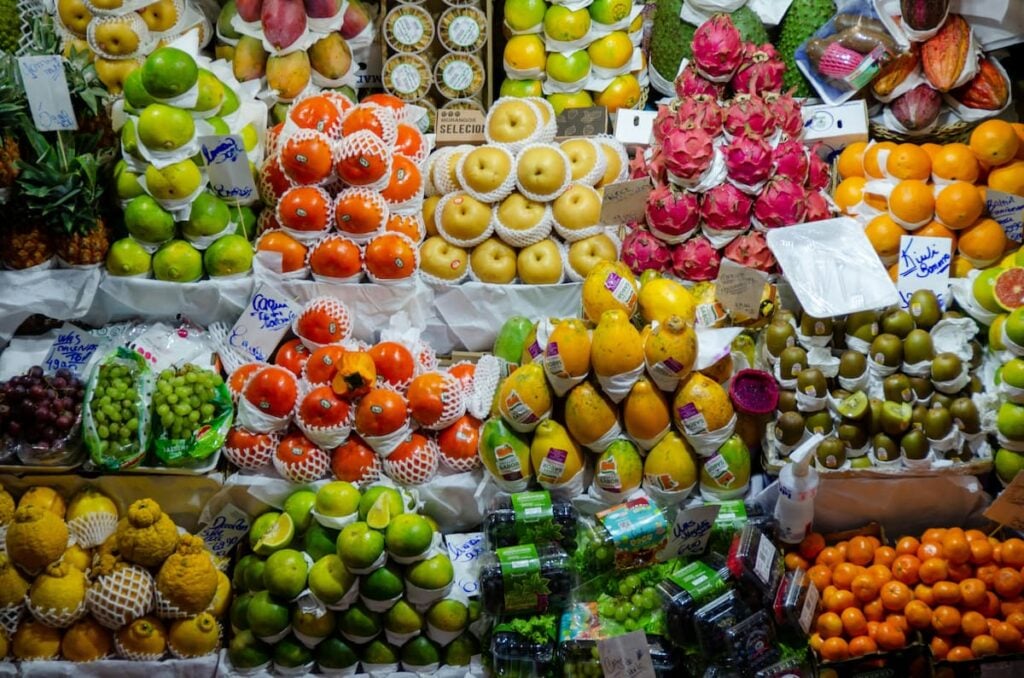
[
  {"x": 924, "y": 265},
  {"x": 46, "y": 87},
  {"x": 1008, "y": 210},
  {"x": 228, "y": 529},
  {"x": 626, "y": 656},
  {"x": 464, "y": 551},
  {"x": 263, "y": 323},
  {"x": 71, "y": 350},
  {"x": 228, "y": 167},
  {"x": 691, "y": 532},
  {"x": 1008, "y": 507},
  {"x": 739, "y": 289},
  {"x": 581, "y": 122},
  {"x": 624, "y": 201}
]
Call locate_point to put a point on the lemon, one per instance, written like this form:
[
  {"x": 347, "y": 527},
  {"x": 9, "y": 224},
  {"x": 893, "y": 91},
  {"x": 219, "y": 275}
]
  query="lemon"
[
  {"x": 174, "y": 182},
  {"x": 337, "y": 498},
  {"x": 230, "y": 104},
  {"x": 169, "y": 72},
  {"x": 329, "y": 579},
  {"x": 250, "y": 137},
  {"x": 222, "y": 598},
  {"x": 285, "y": 574},
  {"x": 211, "y": 92},
  {"x": 383, "y": 502},
  {"x": 612, "y": 51},
  {"x": 194, "y": 637},
  {"x": 433, "y": 573},
  {"x": 218, "y": 125},
  {"x": 144, "y": 636},
  {"x": 177, "y": 261},
  {"x": 403, "y": 618},
  {"x": 228, "y": 255}
]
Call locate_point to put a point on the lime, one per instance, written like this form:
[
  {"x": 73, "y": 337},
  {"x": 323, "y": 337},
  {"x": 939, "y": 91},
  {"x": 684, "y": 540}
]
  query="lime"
[
  {"x": 267, "y": 616},
  {"x": 854, "y": 406},
  {"x": 408, "y": 535},
  {"x": 277, "y": 537},
  {"x": 228, "y": 255},
  {"x": 460, "y": 651},
  {"x": 246, "y": 651},
  {"x": 211, "y": 92},
  {"x": 1008, "y": 464},
  {"x": 433, "y": 573},
  {"x": 146, "y": 220},
  {"x": 384, "y": 502},
  {"x": 290, "y": 653},
  {"x": 329, "y": 580},
  {"x": 420, "y": 651},
  {"x": 209, "y": 216},
  {"x": 127, "y": 257},
  {"x": 403, "y": 618},
  {"x": 320, "y": 541},
  {"x": 359, "y": 546},
  {"x": 379, "y": 652},
  {"x": 165, "y": 128},
  {"x": 1010, "y": 421},
  {"x": 448, "y": 615},
  {"x": 1013, "y": 372},
  {"x": 382, "y": 584},
  {"x": 174, "y": 182},
  {"x": 239, "y": 614},
  {"x": 337, "y": 498},
  {"x": 334, "y": 653},
  {"x": 285, "y": 574},
  {"x": 299, "y": 506},
  {"x": 169, "y": 72},
  {"x": 319, "y": 624},
  {"x": 359, "y": 621},
  {"x": 135, "y": 94}
]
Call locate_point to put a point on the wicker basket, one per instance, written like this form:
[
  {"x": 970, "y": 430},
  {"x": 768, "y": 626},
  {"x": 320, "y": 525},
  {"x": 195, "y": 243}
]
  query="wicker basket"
[{"x": 959, "y": 131}]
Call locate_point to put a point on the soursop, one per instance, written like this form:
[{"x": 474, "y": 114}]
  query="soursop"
[
  {"x": 802, "y": 19},
  {"x": 10, "y": 26}
]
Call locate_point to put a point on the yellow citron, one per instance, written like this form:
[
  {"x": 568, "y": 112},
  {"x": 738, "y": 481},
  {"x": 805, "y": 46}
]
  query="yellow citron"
[
  {"x": 6, "y": 507},
  {"x": 701, "y": 405},
  {"x": 76, "y": 556},
  {"x": 35, "y": 640},
  {"x": 589, "y": 413},
  {"x": 194, "y": 637},
  {"x": 568, "y": 349},
  {"x": 36, "y": 538},
  {"x": 43, "y": 497},
  {"x": 5, "y": 643},
  {"x": 60, "y": 588},
  {"x": 86, "y": 641},
  {"x": 147, "y": 535},
  {"x": 525, "y": 397},
  {"x": 663, "y": 297},
  {"x": 673, "y": 344},
  {"x": 188, "y": 578},
  {"x": 645, "y": 411},
  {"x": 670, "y": 464},
  {"x": 13, "y": 586},
  {"x": 222, "y": 599},
  {"x": 144, "y": 636},
  {"x": 555, "y": 456},
  {"x": 609, "y": 285},
  {"x": 616, "y": 346}
]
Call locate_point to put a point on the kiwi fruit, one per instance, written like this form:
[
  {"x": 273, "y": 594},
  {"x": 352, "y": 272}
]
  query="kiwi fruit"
[
  {"x": 885, "y": 448},
  {"x": 819, "y": 422},
  {"x": 863, "y": 325},
  {"x": 919, "y": 412},
  {"x": 896, "y": 418},
  {"x": 852, "y": 364},
  {"x": 896, "y": 387},
  {"x": 914, "y": 444},
  {"x": 898, "y": 322},
  {"x": 965, "y": 414},
  {"x": 815, "y": 327},
  {"x": 831, "y": 453},
  {"x": 887, "y": 350},
  {"x": 779, "y": 336},
  {"x": 941, "y": 400},
  {"x": 917, "y": 347},
  {"x": 946, "y": 367},
  {"x": 791, "y": 361},
  {"x": 977, "y": 354},
  {"x": 975, "y": 385},
  {"x": 787, "y": 401},
  {"x": 789, "y": 428},
  {"x": 811, "y": 382},
  {"x": 840, "y": 394},
  {"x": 924, "y": 308},
  {"x": 875, "y": 415},
  {"x": 938, "y": 422},
  {"x": 921, "y": 387},
  {"x": 853, "y": 435}
]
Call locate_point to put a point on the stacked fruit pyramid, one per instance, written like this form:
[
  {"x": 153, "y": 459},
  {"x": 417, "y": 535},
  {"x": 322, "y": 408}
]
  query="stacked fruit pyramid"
[
  {"x": 725, "y": 170},
  {"x": 343, "y": 184},
  {"x": 169, "y": 211},
  {"x": 960, "y": 589},
  {"x": 330, "y": 403},
  {"x": 900, "y": 394},
  {"x": 566, "y": 53},
  {"x": 624, "y": 391},
  {"x": 520, "y": 206},
  {"x": 339, "y": 577},
  {"x": 127, "y": 585},
  {"x": 934, "y": 190}
]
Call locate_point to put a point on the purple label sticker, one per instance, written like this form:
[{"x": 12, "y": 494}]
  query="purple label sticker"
[
  {"x": 612, "y": 281},
  {"x": 673, "y": 364}
]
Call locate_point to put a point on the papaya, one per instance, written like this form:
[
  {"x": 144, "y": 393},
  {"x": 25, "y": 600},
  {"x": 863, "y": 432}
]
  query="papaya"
[
  {"x": 701, "y": 405},
  {"x": 670, "y": 465},
  {"x": 616, "y": 346},
  {"x": 646, "y": 413},
  {"x": 619, "y": 470},
  {"x": 670, "y": 348},
  {"x": 525, "y": 397},
  {"x": 511, "y": 339},
  {"x": 567, "y": 354},
  {"x": 554, "y": 454},
  {"x": 609, "y": 285},
  {"x": 726, "y": 473},
  {"x": 504, "y": 453},
  {"x": 589, "y": 413},
  {"x": 664, "y": 297}
]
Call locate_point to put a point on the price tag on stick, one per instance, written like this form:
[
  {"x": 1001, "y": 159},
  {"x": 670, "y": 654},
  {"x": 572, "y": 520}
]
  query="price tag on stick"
[
  {"x": 46, "y": 88},
  {"x": 691, "y": 532},
  {"x": 228, "y": 167},
  {"x": 264, "y": 322},
  {"x": 924, "y": 265},
  {"x": 624, "y": 201},
  {"x": 1008, "y": 507},
  {"x": 626, "y": 656},
  {"x": 71, "y": 350},
  {"x": 1008, "y": 210},
  {"x": 740, "y": 289}
]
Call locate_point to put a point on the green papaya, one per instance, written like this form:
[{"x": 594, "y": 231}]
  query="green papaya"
[
  {"x": 505, "y": 453},
  {"x": 510, "y": 340},
  {"x": 726, "y": 473}
]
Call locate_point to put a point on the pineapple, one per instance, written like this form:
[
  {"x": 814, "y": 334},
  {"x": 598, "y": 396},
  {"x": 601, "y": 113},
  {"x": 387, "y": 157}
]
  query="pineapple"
[
  {"x": 26, "y": 242},
  {"x": 12, "y": 117}
]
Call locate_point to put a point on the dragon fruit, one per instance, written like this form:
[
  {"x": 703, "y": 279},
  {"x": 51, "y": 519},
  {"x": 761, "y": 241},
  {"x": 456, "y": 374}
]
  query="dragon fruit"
[
  {"x": 790, "y": 158},
  {"x": 688, "y": 152},
  {"x": 641, "y": 251},
  {"x": 782, "y": 203},
  {"x": 703, "y": 110},
  {"x": 717, "y": 48},
  {"x": 664, "y": 121},
  {"x": 786, "y": 111},
  {"x": 689, "y": 82},
  {"x": 818, "y": 173},
  {"x": 751, "y": 250},
  {"x": 671, "y": 213},
  {"x": 749, "y": 114},
  {"x": 726, "y": 208},
  {"x": 760, "y": 71},
  {"x": 696, "y": 260},
  {"x": 748, "y": 160},
  {"x": 818, "y": 207}
]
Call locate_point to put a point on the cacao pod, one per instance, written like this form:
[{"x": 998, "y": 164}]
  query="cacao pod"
[
  {"x": 918, "y": 108},
  {"x": 987, "y": 91},
  {"x": 896, "y": 71},
  {"x": 944, "y": 55},
  {"x": 923, "y": 15}
]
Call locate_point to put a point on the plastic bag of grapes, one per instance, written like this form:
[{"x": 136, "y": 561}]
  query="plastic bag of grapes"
[
  {"x": 192, "y": 414},
  {"x": 115, "y": 418}
]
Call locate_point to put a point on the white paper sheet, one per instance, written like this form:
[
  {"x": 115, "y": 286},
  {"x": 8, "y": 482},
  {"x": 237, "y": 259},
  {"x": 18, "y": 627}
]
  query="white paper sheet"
[{"x": 63, "y": 294}]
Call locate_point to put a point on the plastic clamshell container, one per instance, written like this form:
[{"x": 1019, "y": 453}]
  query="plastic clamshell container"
[
  {"x": 531, "y": 518},
  {"x": 526, "y": 579}
]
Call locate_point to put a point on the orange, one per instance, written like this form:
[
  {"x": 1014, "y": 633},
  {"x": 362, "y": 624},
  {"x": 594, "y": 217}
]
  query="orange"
[
  {"x": 918, "y": 614},
  {"x": 909, "y": 161},
  {"x": 880, "y": 573},
  {"x": 912, "y": 202},
  {"x": 924, "y": 593},
  {"x": 873, "y": 628},
  {"x": 841, "y": 600},
  {"x": 1018, "y": 129},
  {"x": 1013, "y": 552},
  {"x": 899, "y": 621},
  {"x": 955, "y": 548},
  {"x": 851, "y": 160},
  {"x": 884, "y": 555},
  {"x": 933, "y": 570},
  {"x": 929, "y": 549},
  {"x": 939, "y": 647},
  {"x": 862, "y": 645},
  {"x": 975, "y": 535},
  {"x": 955, "y": 162},
  {"x": 1008, "y": 607},
  {"x": 973, "y": 624},
  {"x": 994, "y": 142},
  {"x": 894, "y": 272},
  {"x": 972, "y": 592},
  {"x": 981, "y": 551},
  {"x": 812, "y": 545},
  {"x": 793, "y": 561},
  {"x": 884, "y": 234},
  {"x": 841, "y": 548},
  {"x": 848, "y": 193},
  {"x": 906, "y": 569},
  {"x": 1006, "y": 634},
  {"x": 946, "y": 593},
  {"x": 959, "y": 572},
  {"x": 830, "y": 556},
  {"x": 1009, "y": 178},
  {"x": 984, "y": 645},
  {"x": 936, "y": 229},
  {"x": 946, "y": 620},
  {"x": 931, "y": 149},
  {"x": 860, "y": 551},
  {"x": 991, "y": 606},
  {"x": 1008, "y": 583},
  {"x": 875, "y": 542},
  {"x": 982, "y": 244},
  {"x": 874, "y": 611},
  {"x": 987, "y": 574},
  {"x": 829, "y": 625},
  {"x": 815, "y": 642},
  {"x": 896, "y": 595},
  {"x": 959, "y": 205},
  {"x": 844, "y": 573},
  {"x": 959, "y": 654},
  {"x": 872, "y": 168},
  {"x": 907, "y": 545},
  {"x": 1016, "y": 619},
  {"x": 834, "y": 650},
  {"x": 864, "y": 587},
  {"x": 821, "y": 575},
  {"x": 854, "y": 623},
  {"x": 890, "y": 637}
]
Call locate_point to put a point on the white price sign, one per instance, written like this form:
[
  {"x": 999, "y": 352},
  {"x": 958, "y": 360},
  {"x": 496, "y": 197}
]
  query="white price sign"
[
  {"x": 924, "y": 265},
  {"x": 46, "y": 88}
]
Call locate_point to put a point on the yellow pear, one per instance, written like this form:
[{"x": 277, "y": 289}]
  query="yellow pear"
[
  {"x": 615, "y": 347},
  {"x": 646, "y": 413},
  {"x": 554, "y": 454},
  {"x": 589, "y": 413},
  {"x": 701, "y": 405}
]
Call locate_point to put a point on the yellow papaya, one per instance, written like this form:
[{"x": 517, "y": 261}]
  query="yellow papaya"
[
  {"x": 554, "y": 454},
  {"x": 701, "y": 405},
  {"x": 664, "y": 297},
  {"x": 589, "y": 414},
  {"x": 615, "y": 347},
  {"x": 670, "y": 466},
  {"x": 568, "y": 351},
  {"x": 609, "y": 285},
  {"x": 670, "y": 348},
  {"x": 646, "y": 413},
  {"x": 525, "y": 398}
]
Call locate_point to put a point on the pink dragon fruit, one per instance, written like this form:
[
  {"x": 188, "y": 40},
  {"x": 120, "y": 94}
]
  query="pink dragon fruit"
[
  {"x": 786, "y": 111},
  {"x": 664, "y": 121},
  {"x": 641, "y": 251},
  {"x": 818, "y": 173},
  {"x": 703, "y": 110},
  {"x": 760, "y": 71},
  {"x": 638, "y": 166},
  {"x": 688, "y": 152},
  {"x": 696, "y": 260},
  {"x": 818, "y": 207},
  {"x": 749, "y": 114},
  {"x": 726, "y": 208},
  {"x": 751, "y": 250},
  {"x": 689, "y": 82},
  {"x": 783, "y": 202},
  {"x": 671, "y": 213},
  {"x": 790, "y": 158},
  {"x": 748, "y": 160},
  {"x": 717, "y": 48}
]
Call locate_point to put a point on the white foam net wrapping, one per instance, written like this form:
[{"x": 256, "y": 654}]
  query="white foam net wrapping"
[
  {"x": 353, "y": 159},
  {"x": 348, "y": 219},
  {"x": 338, "y": 317},
  {"x": 313, "y": 467},
  {"x": 415, "y": 468},
  {"x": 10, "y": 616},
  {"x": 58, "y": 619},
  {"x": 531, "y": 150},
  {"x": 120, "y": 597},
  {"x": 384, "y": 116},
  {"x": 165, "y": 608},
  {"x": 92, "y": 529},
  {"x": 253, "y": 458}
]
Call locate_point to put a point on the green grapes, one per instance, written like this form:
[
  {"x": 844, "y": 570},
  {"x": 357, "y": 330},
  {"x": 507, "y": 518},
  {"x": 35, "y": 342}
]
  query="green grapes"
[
  {"x": 183, "y": 400},
  {"x": 114, "y": 404}
]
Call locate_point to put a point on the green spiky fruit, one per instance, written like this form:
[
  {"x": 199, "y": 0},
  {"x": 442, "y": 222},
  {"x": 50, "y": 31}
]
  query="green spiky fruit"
[
  {"x": 10, "y": 26},
  {"x": 802, "y": 19}
]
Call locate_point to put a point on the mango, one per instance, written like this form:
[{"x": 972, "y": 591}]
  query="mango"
[
  {"x": 511, "y": 339},
  {"x": 249, "y": 61},
  {"x": 284, "y": 22},
  {"x": 330, "y": 56},
  {"x": 288, "y": 74}
]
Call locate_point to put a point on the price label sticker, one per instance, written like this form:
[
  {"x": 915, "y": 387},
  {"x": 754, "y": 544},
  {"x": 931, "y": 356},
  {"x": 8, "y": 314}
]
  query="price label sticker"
[
  {"x": 924, "y": 265},
  {"x": 625, "y": 201},
  {"x": 581, "y": 122},
  {"x": 740, "y": 289},
  {"x": 626, "y": 656},
  {"x": 1008, "y": 507},
  {"x": 690, "y": 532},
  {"x": 264, "y": 322},
  {"x": 464, "y": 551},
  {"x": 46, "y": 88},
  {"x": 228, "y": 167},
  {"x": 71, "y": 350},
  {"x": 1008, "y": 210}
]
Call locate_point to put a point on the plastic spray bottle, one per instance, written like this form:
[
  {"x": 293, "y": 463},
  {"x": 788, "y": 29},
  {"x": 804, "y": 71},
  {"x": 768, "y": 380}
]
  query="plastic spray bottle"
[{"x": 798, "y": 485}]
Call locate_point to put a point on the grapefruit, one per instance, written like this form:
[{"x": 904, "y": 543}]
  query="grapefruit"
[{"x": 1008, "y": 289}]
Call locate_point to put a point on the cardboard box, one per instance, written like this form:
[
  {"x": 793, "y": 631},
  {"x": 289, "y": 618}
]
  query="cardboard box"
[{"x": 836, "y": 126}]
